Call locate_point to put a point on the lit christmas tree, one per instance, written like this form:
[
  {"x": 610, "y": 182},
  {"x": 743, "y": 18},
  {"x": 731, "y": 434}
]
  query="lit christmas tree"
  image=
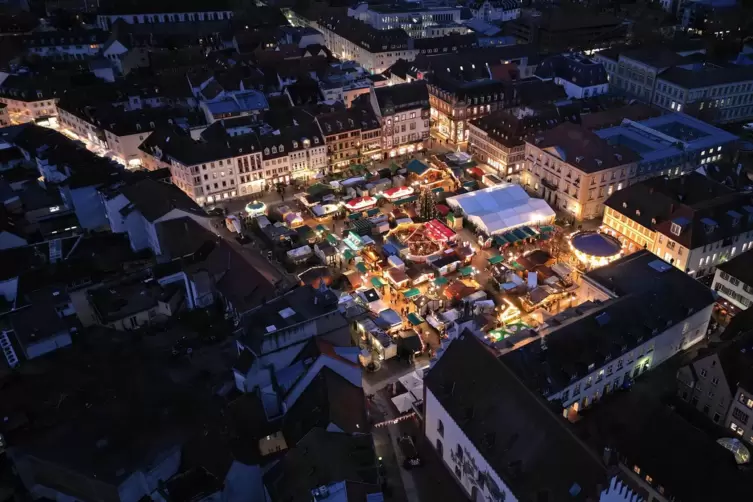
[{"x": 427, "y": 205}]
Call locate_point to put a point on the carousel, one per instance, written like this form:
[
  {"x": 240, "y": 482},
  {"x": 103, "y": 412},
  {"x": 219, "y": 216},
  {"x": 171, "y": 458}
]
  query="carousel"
[
  {"x": 256, "y": 208},
  {"x": 595, "y": 249},
  {"x": 420, "y": 239}
]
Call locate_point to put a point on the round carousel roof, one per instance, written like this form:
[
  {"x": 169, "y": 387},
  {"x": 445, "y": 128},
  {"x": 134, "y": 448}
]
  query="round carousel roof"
[{"x": 596, "y": 244}]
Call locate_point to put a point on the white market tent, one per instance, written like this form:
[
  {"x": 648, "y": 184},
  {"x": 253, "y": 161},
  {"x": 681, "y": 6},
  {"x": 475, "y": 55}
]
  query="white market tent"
[{"x": 501, "y": 208}]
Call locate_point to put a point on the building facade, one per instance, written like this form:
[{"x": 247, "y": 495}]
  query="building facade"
[
  {"x": 691, "y": 222},
  {"x": 403, "y": 112},
  {"x": 353, "y": 40},
  {"x": 733, "y": 280},
  {"x": 575, "y": 170}
]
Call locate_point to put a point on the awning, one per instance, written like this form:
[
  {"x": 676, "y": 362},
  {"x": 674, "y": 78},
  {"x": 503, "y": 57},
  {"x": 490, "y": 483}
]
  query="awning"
[
  {"x": 406, "y": 200},
  {"x": 520, "y": 234},
  {"x": 361, "y": 267},
  {"x": 411, "y": 293},
  {"x": 441, "y": 281},
  {"x": 437, "y": 190},
  {"x": 511, "y": 237},
  {"x": 354, "y": 216},
  {"x": 415, "y": 319},
  {"x": 495, "y": 260},
  {"x": 373, "y": 212},
  {"x": 321, "y": 228},
  {"x": 348, "y": 255},
  {"x": 466, "y": 271},
  {"x": 529, "y": 231},
  {"x": 546, "y": 228},
  {"x": 377, "y": 282},
  {"x": 501, "y": 240}
]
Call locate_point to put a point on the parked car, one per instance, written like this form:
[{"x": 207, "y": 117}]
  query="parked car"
[{"x": 411, "y": 458}]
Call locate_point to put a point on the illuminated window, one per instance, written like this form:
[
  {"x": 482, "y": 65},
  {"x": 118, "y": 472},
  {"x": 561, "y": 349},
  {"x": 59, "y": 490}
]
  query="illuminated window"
[{"x": 637, "y": 469}]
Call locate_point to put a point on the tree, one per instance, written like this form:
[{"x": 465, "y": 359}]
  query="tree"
[{"x": 427, "y": 205}]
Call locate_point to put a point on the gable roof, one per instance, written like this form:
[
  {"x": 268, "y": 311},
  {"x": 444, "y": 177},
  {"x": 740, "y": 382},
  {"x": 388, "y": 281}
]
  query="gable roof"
[
  {"x": 512, "y": 426},
  {"x": 154, "y": 200}
]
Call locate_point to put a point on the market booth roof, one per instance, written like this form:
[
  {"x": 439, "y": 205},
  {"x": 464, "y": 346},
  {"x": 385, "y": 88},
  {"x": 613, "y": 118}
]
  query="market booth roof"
[
  {"x": 411, "y": 293},
  {"x": 466, "y": 271},
  {"x": 441, "y": 281},
  {"x": 377, "y": 282},
  {"x": 415, "y": 319},
  {"x": 495, "y": 260},
  {"x": 417, "y": 167},
  {"x": 497, "y": 209},
  {"x": 361, "y": 267}
]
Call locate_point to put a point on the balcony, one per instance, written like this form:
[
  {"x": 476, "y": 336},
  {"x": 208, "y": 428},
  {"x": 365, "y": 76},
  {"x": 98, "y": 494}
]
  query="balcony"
[{"x": 552, "y": 185}]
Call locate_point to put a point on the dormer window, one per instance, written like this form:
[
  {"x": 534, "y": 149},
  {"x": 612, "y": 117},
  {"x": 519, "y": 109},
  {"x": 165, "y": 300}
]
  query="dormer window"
[
  {"x": 266, "y": 151},
  {"x": 295, "y": 144},
  {"x": 316, "y": 140},
  {"x": 637, "y": 212},
  {"x": 274, "y": 149},
  {"x": 709, "y": 225},
  {"x": 675, "y": 229},
  {"x": 282, "y": 148}
]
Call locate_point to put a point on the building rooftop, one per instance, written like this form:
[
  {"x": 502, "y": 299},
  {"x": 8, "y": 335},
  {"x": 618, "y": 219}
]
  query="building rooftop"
[
  {"x": 402, "y": 97},
  {"x": 155, "y": 200},
  {"x": 515, "y": 431},
  {"x": 365, "y": 35},
  {"x": 583, "y": 149},
  {"x": 706, "y": 76},
  {"x": 657, "y": 203},
  {"x": 574, "y": 68},
  {"x": 321, "y": 458},
  {"x": 119, "y": 301},
  {"x": 740, "y": 267},
  {"x": 294, "y": 307},
  {"x": 653, "y": 296}
]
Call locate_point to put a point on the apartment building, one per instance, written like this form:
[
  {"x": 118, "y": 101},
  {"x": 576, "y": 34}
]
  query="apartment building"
[
  {"x": 718, "y": 384},
  {"x": 30, "y": 98},
  {"x": 354, "y": 40},
  {"x": 207, "y": 171},
  {"x": 65, "y": 45},
  {"x": 468, "y": 382},
  {"x": 119, "y": 133},
  {"x": 161, "y": 12},
  {"x": 499, "y": 139},
  {"x": 417, "y": 21},
  {"x": 671, "y": 144},
  {"x": 679, "y": 80},
  {"x": 691, "y": 222},
  {"x": 352, "y": 136},
  {"x": 575, "y": 170},
  {"x": 403, "y": 112},
  {"x": 560, "y": 29},
  {"x": 733, "y": 280},
  {"x": 635, "y": 313},
  {"x": 296, "y": 152},
  {"x": 496, "y": 10},
  {"x": 580, "y": 76},
  {"x": 454, "y": 101}
]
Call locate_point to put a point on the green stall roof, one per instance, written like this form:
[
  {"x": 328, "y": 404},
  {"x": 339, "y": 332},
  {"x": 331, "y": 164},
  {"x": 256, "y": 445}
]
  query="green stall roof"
[
  {"x": 466, "y": 271},
  {"x": 415, "y": 319},
  {"x": 411, "y": 293},
  {"x": 332, "y": 239},
  {"x": 361, "y": 267},
  {"x": 348, "y": 255},
  {"x": 496, "y": 259},
  {"x": 377, "y": 282},
  {"x": 441, "y": 281}
]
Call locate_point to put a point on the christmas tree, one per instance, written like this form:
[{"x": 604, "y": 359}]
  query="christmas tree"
[{"x": 427, "y": 205}]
